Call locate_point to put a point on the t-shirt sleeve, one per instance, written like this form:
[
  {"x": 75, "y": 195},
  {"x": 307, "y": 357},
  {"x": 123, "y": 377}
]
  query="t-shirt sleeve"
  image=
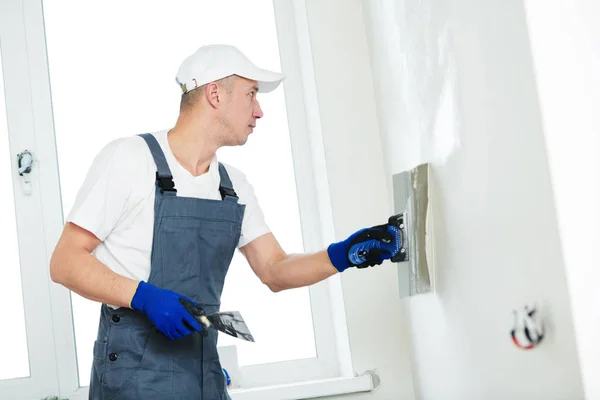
[
  {"x": 254, "y": 224},
  {"x": 103, "y": 197}
]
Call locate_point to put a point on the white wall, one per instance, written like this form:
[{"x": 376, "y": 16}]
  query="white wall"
[
  {"x": 497, "y": 240},
  {"x": 377, "y": 326},
  {"x": 565, "y": 40}
]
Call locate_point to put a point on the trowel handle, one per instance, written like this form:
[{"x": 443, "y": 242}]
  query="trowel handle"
[
  {"x": 190, "y": 307},
  {"x": 399, "y": 221},
  {"x": 197, "y": 312},
  {"x": 396, "y": 220}
]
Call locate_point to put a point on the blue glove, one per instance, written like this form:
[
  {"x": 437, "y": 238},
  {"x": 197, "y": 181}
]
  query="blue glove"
[
  {"x": 366, "y": 248},
  {"x": 165, "y": 310}
]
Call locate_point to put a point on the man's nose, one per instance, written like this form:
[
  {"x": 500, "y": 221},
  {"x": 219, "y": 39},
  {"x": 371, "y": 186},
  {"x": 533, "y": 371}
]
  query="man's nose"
[{"x": 258, "y": 113}]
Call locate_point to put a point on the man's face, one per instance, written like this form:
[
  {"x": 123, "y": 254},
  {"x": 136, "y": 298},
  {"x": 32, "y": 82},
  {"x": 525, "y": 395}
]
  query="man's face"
[{"x": 240, "y": 111}]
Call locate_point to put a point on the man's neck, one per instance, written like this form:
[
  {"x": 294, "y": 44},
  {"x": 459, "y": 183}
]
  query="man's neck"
[{"x": 192, "y": 149}]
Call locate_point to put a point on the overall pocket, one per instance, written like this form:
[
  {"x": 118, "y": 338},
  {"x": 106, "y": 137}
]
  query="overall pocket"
[
  {"x": 99, "y": 361},
  {"x": 125, "y": 354}
]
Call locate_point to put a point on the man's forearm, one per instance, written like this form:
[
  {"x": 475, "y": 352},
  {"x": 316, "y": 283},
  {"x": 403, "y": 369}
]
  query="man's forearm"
[
  {"x": 85, "y": 275},
  {"x": 297, "y": 270}
]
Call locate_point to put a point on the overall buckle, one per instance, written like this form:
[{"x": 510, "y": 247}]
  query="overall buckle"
[
  {"x": 165, "y": 183},
  {"x": 227, "y": 192}
]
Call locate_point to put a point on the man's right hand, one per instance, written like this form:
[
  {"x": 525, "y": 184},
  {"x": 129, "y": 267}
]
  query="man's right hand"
[{"x": 165, "y": 310}]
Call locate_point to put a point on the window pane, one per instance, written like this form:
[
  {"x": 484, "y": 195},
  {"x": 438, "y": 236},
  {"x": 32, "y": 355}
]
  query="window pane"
[
  {"x": 14, "y": 362},
  {"x": 121, "y": 81}
]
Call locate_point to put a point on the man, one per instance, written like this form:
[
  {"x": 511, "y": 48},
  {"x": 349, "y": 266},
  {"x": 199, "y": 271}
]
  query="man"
[{"x": 158, "y": 218}]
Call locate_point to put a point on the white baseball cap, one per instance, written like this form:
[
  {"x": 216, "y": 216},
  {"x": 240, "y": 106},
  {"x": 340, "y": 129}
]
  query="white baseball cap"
[{"x": 213, "y": 62}]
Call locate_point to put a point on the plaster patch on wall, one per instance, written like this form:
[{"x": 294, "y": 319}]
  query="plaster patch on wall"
[
  {"x": 429, "y": 239},
  {"x": 420, "y": 281}
]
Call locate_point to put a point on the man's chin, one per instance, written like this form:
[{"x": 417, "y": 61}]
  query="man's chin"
[
  {"x": 233, "y": 142},
  {"x": 243, "y": 140}
]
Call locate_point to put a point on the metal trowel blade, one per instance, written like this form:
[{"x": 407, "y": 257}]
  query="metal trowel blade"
[{"x": 231, "y": 323}]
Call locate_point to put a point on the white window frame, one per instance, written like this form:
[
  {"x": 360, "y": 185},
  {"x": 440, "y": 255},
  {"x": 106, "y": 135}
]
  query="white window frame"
[
  {"x": 29, "y": 211},
  {"x": 53, "y": 360}
]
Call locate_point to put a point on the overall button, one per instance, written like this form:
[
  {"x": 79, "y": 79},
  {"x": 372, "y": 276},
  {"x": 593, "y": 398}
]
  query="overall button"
[
  {"x": 112, "y": 356},
  {"x": 116, "y": 318}
]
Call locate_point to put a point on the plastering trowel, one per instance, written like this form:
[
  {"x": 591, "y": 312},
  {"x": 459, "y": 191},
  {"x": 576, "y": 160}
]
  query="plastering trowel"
[{"x": 229, "y": 322}]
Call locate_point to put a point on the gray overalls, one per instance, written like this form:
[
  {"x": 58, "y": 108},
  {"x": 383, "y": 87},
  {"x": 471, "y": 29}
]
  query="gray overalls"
[{"x": 194, "y": 242}]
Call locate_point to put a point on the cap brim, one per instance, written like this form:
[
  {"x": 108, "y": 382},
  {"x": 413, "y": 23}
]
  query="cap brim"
[{"x": 267, "y": 80}]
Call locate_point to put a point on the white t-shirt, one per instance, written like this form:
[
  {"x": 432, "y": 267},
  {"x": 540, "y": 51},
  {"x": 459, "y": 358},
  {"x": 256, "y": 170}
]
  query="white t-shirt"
[{"x": 116, "y": 202}]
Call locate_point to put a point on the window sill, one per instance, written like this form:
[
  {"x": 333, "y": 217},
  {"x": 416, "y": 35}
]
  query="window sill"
[
  {"x": 306, "y": 390},
  {"x": 291, "y": 391}
]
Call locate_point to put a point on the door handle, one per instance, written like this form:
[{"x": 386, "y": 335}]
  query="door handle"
[{"x": 25, "y": 161}]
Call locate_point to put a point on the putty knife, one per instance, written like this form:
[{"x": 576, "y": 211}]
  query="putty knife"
[{"x": 229, "y": 322}]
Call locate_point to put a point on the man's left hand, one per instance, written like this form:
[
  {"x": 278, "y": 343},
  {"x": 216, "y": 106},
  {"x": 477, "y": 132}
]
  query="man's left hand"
[{"x": 366, "y": 247}]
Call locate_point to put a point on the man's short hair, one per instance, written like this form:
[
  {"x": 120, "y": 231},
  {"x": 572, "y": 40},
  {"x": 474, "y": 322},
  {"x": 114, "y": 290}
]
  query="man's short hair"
[{"x": 189, "y": 99}]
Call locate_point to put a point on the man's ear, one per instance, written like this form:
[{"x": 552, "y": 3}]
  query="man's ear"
[{"x": 212, "y": 94}]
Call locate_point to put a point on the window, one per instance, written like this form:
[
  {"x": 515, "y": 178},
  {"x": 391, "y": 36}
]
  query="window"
[
  {"x": 112, "y": 75},
  {"x": 121, "y": 83}
]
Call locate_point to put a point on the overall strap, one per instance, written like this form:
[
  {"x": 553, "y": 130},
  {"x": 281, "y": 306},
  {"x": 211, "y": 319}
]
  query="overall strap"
[
  {"x": 225, "y": 187},
  {"x": 164, "y": 178}
]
